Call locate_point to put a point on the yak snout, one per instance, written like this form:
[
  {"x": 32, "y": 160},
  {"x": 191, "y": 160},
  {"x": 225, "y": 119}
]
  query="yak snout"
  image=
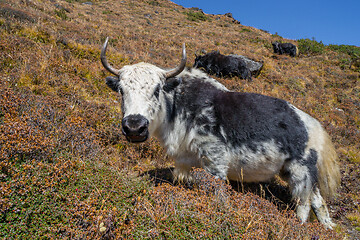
[{"x": 135, "y": 128}]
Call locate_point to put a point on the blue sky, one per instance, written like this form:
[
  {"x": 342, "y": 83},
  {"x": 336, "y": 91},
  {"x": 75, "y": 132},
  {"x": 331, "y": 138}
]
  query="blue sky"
[{"x": 332, "y": 22}]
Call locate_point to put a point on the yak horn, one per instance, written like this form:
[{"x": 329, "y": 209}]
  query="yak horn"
[
  {"x": 178, "y": 69},
  {"x": 104, "y": 62}
]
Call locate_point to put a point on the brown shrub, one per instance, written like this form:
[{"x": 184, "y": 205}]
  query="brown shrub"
[{"x": 213, "y": 210}]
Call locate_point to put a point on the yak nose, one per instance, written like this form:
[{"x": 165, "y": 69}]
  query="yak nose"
[{"x": 135, "y": 128}]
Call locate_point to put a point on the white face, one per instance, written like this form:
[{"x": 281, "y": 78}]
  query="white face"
[{"x": 140, "y": 86}]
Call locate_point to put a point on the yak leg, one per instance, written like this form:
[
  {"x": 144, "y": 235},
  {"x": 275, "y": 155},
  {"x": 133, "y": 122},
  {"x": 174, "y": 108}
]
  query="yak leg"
[
  {"x": 320, "y": 209},
  {"x": 206, "y": 154},
  {"x": 215, "y": 160},
  {"x": 300, "y": 183},
  {"x": 183, "y": 166},
  {"x": 303, "y": 188},
  {"x": 303, "y": 210}
]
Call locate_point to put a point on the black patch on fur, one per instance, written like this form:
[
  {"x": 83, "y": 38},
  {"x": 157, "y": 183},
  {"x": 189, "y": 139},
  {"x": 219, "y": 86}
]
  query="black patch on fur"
[
  {"x": 170, "y": 106},
  {"x": 310, "y": 163},
  {"x": 192, "y": 96},
  {"x": 171, "y": 84},
  {"x": 203, "y": 121},
  {"x": 249, "y": 118},
  {"x": 157, "y": 91},
  {"x": 246, "y": 118},
  {"x": 113, "y": 83}
]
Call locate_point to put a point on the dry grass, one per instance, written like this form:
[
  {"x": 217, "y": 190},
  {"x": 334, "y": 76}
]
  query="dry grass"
[{"x": 65, "y": 169}]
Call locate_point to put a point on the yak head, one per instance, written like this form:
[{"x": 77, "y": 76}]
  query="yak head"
[
  {"x": 203, "y": 61},
  {"x": 276, "y": 47},
  {"x": 209, "y": 62},
  {"x": 142, "y": 87}
]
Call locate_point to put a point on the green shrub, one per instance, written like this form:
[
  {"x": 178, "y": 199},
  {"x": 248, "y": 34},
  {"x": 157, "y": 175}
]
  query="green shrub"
[
  {"x": 196, "y": 16},
  {"x": 347, "y": 49},
  {"x": 245, "y": 30},
  {"x": 310, "y": 47},
  {"x": 154, "y": 3},
  {"x": 276, "y": 35},
  {"x": 352, "y": 51},
  {"x": 61, "y": 14}
]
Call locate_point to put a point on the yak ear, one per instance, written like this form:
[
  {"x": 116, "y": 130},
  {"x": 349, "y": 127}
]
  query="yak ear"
[
  {"x": 171, "y": 84},
  {"x": 113, "y": 83}
]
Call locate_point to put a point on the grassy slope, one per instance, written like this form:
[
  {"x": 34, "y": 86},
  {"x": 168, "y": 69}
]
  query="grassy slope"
[{"x": 65, "y": 169}]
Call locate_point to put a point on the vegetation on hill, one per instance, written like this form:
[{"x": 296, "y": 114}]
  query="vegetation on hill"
[{"x": 67, "y": 172}]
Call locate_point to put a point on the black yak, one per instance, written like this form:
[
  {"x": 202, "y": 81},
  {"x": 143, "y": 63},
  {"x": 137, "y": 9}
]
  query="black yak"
[
  {"x": 222, "y": 65},
  {"x": 285, "y": 48}
]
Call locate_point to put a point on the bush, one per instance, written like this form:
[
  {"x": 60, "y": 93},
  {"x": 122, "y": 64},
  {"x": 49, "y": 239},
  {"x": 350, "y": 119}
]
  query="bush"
[
  {"x": 310, "y": 47},
  {"x": 352, "y": 51},
  {"x": 61, "y": 14},
  {"x": 154, "y": 3},
  {"x": 196, "y": 16},
  {"x": 347, "y": 49}
]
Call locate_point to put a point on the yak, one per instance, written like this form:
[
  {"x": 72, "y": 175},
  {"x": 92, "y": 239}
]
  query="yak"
[
  {"x": 222, "y": 65},
  {"x": 238, "y": 136},
  {"x": 285, "y": 48}
]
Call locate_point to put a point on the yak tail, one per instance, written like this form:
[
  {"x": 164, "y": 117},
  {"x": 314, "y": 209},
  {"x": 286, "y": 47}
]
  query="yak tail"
[
  {"x": 328, "y": 169},
  {"x": 297, "y": 51}
]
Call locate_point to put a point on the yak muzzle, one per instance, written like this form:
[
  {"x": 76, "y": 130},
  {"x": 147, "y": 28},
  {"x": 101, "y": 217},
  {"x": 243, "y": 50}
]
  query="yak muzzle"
[{"x": 135, "y": 128}]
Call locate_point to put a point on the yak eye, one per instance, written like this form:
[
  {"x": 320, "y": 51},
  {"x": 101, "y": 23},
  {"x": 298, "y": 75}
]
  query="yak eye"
[{"x": 157, "y": 91}]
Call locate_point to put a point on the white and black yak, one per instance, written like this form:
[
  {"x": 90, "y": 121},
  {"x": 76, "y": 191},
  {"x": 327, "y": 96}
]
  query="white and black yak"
[{"x": 233, "y": 135}]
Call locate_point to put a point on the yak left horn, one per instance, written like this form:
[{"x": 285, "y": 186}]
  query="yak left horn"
[
  {"x": 173, "y": 72},
  {"x": 104, "y": 61}
]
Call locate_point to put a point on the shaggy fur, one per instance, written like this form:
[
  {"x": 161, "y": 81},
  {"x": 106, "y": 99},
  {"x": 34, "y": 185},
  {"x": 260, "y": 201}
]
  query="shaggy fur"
[
  {"x": 285, "y": 48},
  {"x": 222, "y": 65},
  {"x": 329, "y": 172},
  {"x": 239, "y": 136}
]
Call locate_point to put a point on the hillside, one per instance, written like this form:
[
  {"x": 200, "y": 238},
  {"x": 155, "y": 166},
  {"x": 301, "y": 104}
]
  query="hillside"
[{"x": 67, "y": 172}]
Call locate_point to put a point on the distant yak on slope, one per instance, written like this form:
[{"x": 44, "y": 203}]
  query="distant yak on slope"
[
  {"x": 222, "y": 65},
  {"x": 285, "y": 48}
]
